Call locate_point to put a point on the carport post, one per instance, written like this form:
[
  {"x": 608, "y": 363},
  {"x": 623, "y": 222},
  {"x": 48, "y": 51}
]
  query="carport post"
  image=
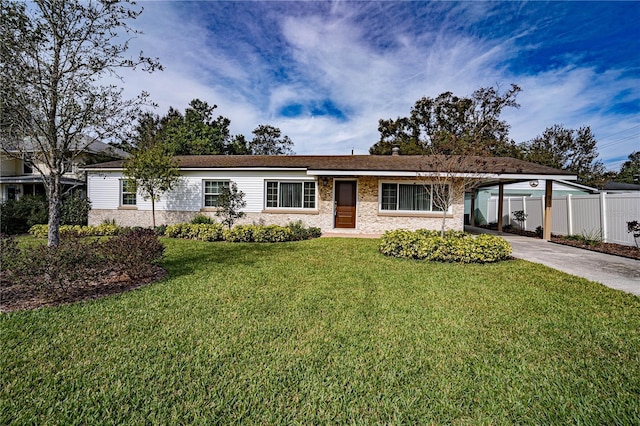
[
  {"x": 548, "y": 197},
  {"x": 500, "y": 205},
  {"x": 472, "y": 215}
]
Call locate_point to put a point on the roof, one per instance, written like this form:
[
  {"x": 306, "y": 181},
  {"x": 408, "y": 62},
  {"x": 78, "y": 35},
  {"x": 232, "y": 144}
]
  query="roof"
[
  {"x": 83, "y": 144},
  {"x": 621, "y": 186},
  {"x": 31, "y": 179},
  {"x": 362, "y": 164}
]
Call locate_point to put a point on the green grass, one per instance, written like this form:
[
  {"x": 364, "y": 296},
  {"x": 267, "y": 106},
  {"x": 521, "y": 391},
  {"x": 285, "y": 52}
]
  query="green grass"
[{"x": 328, "y": 331}]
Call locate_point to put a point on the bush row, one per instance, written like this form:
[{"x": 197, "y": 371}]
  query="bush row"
[
  {"x": 456, "y": 246},
  {"x": 78, "y": 261},
  {"x": 102, "y": 230},
  {"x": 295, "y": 231}
]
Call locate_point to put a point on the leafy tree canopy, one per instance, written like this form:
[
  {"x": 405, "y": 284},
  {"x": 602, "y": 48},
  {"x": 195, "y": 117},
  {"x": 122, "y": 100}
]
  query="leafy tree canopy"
[
  {"x": 267, "y": 140},
  {"x": 449, "y": 124},
  {"x": 568, "y": 149},
  {"x": 630, "y": 170},
  {"x": 197, "y": 132}
]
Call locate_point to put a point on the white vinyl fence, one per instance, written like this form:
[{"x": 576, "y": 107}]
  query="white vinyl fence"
[{"x": 602, "y": 215}]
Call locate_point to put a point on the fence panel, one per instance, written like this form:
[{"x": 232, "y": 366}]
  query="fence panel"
[
  {"x": 604, "y": 215},
  {"x": 515, "y": 204},
  {"x": 534, "y": 207},
  {"x": 560, "y": 222},
  {"x": 620, "y": 209},
  {"x": 586, "y": 215}
]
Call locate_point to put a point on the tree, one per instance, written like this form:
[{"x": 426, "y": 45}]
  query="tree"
[
  {"x": 196, "y": 132},
  {"x": 446, "y": 176},
  {"x": 630, "y": 170},
  {"x": 230, "y": 202},
  {"x": 568, "y": 149},
  {"x": 449, "y": 124},
  {"x": 152, "y": 172},
  {"x": 267, "y": 140},
  {"x": 55, "y": 101}
]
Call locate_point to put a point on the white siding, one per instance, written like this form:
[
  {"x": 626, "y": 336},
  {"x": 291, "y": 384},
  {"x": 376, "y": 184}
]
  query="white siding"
[{"x": 104, "y": 189}]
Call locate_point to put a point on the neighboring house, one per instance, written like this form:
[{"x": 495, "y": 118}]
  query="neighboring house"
[
  {"x": 358, "y": 193},
  {"x": 530, "y": 188},
  {"x": 18, "y": 177}
]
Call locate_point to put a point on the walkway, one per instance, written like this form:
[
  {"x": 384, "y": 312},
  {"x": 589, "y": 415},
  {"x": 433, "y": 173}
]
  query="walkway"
[{"x": 617, "y": 272}]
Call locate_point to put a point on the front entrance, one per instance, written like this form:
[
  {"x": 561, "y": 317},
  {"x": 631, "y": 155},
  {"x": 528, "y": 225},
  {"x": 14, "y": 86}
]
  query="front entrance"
[{"x": 345, "y": 206}]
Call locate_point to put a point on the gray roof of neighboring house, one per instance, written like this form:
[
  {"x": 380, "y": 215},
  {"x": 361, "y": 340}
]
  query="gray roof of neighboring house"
[
  {"x": 621, "y": 186},
  {"x": 362, "y": 163},
  {"x": 84, "y": 144}
]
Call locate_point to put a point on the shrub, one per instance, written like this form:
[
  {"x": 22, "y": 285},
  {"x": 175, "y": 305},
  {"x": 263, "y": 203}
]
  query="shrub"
[
  {"x": 271, "y": 234},
  {"x": 202, "y": 219},
  {"x": 160, "y": 230},
  {"x": 75, "y": 210},
  {"x": 10, "y": 254},
  {"x": 56, "y": 269},
  {"x": 17, "y": 216},
  {"x": 539, "y": 232},
  {"x": 520, "y": 216},
  {"x": 240, "y": 234},
  {"x": 102, "y": 230},
  {"x": 456, "y": 246},
  {"x": 133, "y": 252},
  {"x": 189, "y": 231},
  {"x": 300, "y": 232}
]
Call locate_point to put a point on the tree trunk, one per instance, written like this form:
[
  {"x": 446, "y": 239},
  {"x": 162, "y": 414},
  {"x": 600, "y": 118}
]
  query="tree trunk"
[
  {"x": 153, "y": 212},
  {"x": 444, "y": 218},
  {"x": 54, "y": 190}
]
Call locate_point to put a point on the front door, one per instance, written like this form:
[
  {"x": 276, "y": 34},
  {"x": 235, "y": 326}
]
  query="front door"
[{"x": 345, "y": 214}]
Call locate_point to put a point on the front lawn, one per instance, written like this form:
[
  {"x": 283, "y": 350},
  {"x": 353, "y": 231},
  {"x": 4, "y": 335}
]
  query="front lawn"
[{"x": 328, "y": 331}]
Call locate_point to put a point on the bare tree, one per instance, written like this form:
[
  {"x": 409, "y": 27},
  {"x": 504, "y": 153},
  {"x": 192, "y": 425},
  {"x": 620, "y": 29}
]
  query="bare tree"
[
  {"x": 446, "y": 177},
  {"x": 56, "y": 57}
]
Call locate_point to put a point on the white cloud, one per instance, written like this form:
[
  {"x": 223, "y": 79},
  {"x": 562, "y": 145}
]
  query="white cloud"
[{"x": 333, "y": 59}]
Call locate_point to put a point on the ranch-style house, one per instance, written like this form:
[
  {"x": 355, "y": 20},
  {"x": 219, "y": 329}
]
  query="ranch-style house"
[{"x": 364, "y": 194}]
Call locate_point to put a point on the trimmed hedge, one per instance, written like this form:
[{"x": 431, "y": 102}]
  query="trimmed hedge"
[
  {"x": 102, "y": 230},
  {"x": 197, "y": 231},
  {"x": 457, "y": 247}
]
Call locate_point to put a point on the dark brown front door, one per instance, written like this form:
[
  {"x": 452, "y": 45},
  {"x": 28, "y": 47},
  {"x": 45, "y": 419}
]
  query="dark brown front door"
[{"x": 345, "y": 214}]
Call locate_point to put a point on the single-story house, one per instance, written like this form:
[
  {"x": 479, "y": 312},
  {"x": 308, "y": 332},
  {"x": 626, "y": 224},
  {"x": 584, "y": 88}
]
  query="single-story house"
[{"x": 365, "y": 194}]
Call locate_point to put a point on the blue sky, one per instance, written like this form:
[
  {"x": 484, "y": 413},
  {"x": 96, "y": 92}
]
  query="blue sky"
[{"x": 326, "y": 72}]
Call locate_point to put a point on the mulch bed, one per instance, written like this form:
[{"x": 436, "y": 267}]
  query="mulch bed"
[
  {"x": 17, "y": 297},
  {"x": 609, "y": 248}
]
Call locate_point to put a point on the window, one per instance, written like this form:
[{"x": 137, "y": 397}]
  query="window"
[
  {"x": 128, "y": 191},
  {"x": 412, "y": 197},
  {"x": 291, "y": 195},
  {"x": 27, "y": 169},
  {"x": 212, "y": 189}
]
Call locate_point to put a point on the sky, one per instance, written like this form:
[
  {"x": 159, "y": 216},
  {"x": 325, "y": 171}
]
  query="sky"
[{"x": 326, "y": 72}]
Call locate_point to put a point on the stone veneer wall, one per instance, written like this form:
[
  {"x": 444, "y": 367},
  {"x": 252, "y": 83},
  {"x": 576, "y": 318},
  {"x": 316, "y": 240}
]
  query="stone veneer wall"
[{"x": 368, "y": 219}]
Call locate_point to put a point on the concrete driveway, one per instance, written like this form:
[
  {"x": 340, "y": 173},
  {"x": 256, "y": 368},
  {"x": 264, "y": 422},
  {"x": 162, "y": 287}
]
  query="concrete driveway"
[{"x": 617, "y": 272}]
